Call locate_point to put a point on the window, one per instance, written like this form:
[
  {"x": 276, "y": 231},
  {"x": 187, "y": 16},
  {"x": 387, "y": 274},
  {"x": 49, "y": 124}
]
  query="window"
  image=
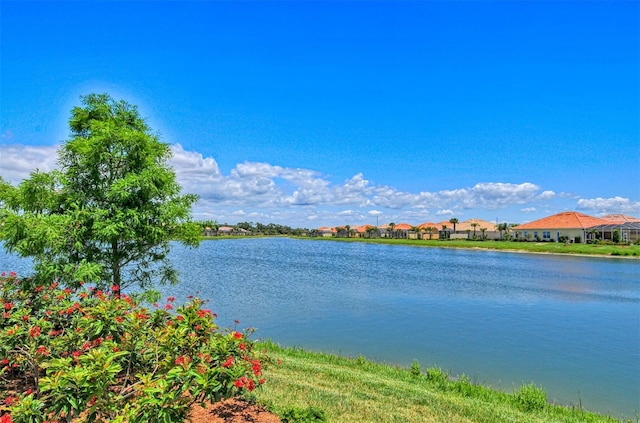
[{"x": 546, "y": 235}]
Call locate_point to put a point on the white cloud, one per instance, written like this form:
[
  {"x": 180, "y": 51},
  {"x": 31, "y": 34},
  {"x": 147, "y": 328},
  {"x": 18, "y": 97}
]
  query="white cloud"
[
  {"x": 262, "y": 192},
  {"x": 546, "y": 195},
  {"x": 18, "y": 161},
  {"x": 603, "y": 206},
  {"x": 445, "y": 212}
]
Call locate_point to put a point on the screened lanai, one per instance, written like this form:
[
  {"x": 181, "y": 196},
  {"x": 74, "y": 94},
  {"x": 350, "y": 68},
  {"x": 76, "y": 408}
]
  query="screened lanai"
[{"x": 629, "y": 231}]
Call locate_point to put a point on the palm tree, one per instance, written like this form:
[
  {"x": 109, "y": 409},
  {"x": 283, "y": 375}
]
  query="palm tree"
[
  {"x": 453, "y": 221},
  {"x": 502, "y": 227},
  {"x": 474, "y": 225},
  {"x": 507, "y": 228},
  {"x": 444, "y": 229},
  {"x": 483, "y": 230},
  {"x": 429, "y": 230},
  {"x": 348, "y": 229},
  {"x": 391, "y": 226}
]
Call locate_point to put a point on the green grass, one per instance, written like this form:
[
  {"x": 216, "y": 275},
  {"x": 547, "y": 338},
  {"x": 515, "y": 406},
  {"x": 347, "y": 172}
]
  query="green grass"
[
  {"x": 531, "y": 247},
  {"x": 344, "y": 389}
]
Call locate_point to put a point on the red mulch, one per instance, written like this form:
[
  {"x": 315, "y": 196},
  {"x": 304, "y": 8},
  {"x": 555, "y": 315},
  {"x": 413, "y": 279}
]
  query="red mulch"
[{"x": 233, "y": 410}]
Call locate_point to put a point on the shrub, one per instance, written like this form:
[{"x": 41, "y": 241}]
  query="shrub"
[
  {"x": 303, "y": 415},
  {"x": 415, "y": 369},
  {"x": 66, "y": 353},
  {"x": 436, "y": 376},
  {"x": 530, "y": 398}
]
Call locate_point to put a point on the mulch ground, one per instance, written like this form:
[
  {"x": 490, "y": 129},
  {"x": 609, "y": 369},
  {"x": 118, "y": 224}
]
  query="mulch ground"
[{"x": 232, "y": 411}]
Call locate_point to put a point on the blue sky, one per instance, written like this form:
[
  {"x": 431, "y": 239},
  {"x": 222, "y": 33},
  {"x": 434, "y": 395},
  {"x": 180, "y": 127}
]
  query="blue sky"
[{"x": 332, "y": 113}]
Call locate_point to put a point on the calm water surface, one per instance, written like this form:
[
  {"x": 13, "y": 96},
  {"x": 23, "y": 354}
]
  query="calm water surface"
[{"x": 570, "y": 324}]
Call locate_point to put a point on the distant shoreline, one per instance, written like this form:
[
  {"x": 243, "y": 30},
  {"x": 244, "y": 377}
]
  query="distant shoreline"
[{"x": 611, "y": 251}]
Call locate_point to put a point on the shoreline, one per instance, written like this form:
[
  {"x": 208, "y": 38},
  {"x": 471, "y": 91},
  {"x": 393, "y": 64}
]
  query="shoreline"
[{"x": 430, "y": 244}]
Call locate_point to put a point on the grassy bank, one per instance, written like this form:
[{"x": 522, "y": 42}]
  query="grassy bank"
[
  {"x": 530, "y": 247},
  {"x": 357, "y": 390}
]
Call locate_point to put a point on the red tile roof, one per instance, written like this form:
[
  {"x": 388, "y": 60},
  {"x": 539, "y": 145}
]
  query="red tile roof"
[
  {"x": 564, "y": 220},
  {"x": 427, "y": 225},
  {"x": 363, "y": 229},
  {"x": 620, "y": 218}
]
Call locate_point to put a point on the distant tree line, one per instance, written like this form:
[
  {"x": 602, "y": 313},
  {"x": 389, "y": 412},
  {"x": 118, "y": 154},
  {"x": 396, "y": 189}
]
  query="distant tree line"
[{"x": 211, "y": 227}]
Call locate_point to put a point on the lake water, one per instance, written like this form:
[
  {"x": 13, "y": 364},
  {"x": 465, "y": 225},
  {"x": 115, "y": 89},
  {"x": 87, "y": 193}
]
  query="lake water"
[{"x": 570, "y": 324}]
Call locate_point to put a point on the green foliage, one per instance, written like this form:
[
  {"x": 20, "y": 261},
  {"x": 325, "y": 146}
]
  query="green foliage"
[
  {"x": 303, "y": 415},
  {"x": 437, "y": 376},
  {"x": 66, "y": 353},
  {"x": 108, "y": 214},
  {"x": 530, "y": 398},
  {"x": 616, "y": 236},
  {"x": 415, "y": 369}
]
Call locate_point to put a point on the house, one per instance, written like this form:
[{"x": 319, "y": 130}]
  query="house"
[
  {"x": 428, "y": 230},
  {"x": 468, "y": 229},
  {"x": 619, "y": 227},
  {"x": 399, "y": 230},
  {"x": 326, "y": 231},
  {"x": 567, "y": 226},
  {"x": 365, "y": 231}
]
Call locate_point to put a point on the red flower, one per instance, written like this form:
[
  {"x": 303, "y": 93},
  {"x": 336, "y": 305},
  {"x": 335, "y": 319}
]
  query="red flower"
[
  {"x": 203, "y": 313},
  {"x": 8, "y": 306},
  {"x": 243, "y": 382},
  {"x": 141, "y": 316},
  {"x": 35, "y": 331},
  {"x": 255, "y": 365},
  {"x": 42, "y": 350},
  {"x": 168, "y": 307},
  {"x": 237, "y": 335},
  {"x": 171, "y": 299},
  {"x": 182, "y": 361},
  {"x": 228, "y": 363}
]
